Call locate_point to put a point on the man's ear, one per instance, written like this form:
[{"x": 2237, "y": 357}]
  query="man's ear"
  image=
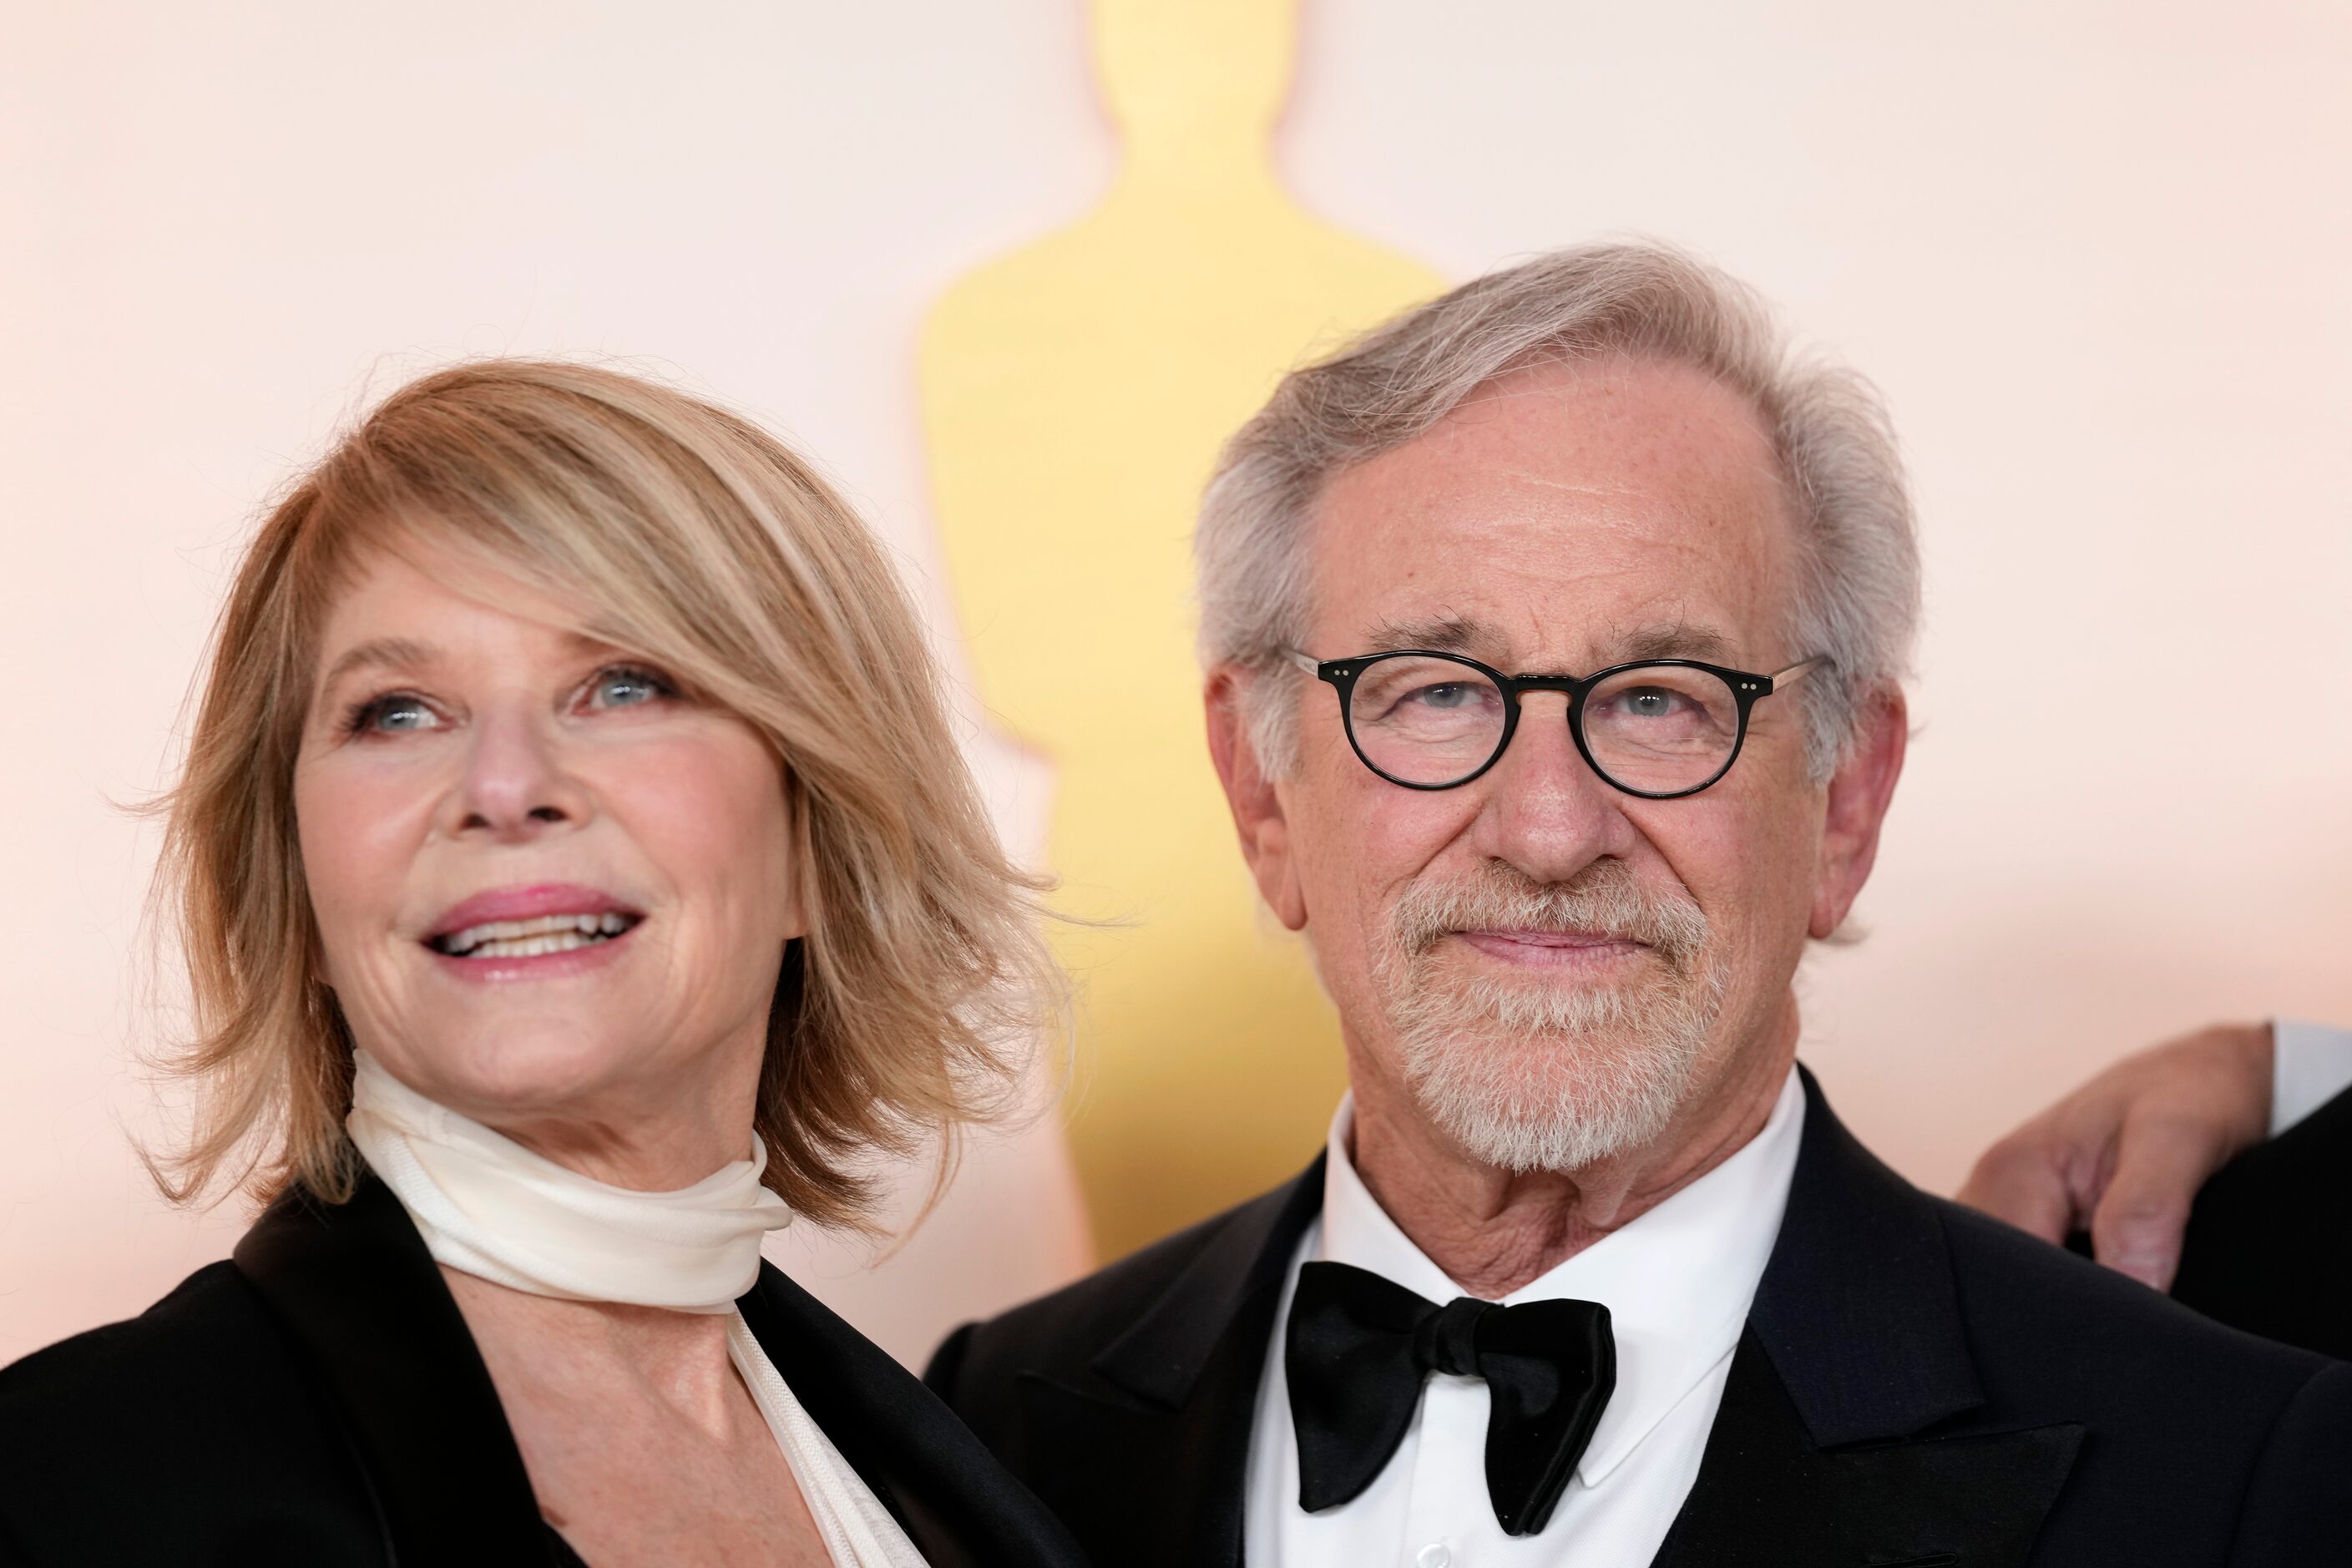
[
  {"x": 1256, "y": 801},
  {"x": 1859, "y": 794}
]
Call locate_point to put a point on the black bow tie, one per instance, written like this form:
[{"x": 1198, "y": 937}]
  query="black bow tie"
[{"x": 1359, "y": 1348}]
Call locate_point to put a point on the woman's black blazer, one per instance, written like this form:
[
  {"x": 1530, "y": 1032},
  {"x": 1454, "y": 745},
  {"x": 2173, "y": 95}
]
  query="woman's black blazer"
[{"x": 318, "y": 1401}]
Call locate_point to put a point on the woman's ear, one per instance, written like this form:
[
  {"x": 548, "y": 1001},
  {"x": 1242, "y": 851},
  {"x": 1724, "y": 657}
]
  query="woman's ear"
[
  {"x": 317, "y": 950},
  {"x": 798, "y": 898},
  {"x": 1253, "y": 796}
]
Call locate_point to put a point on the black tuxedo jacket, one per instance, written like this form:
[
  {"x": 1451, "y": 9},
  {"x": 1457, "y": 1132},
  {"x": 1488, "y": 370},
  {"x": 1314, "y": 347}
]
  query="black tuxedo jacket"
[
  {"x": 1916, "y": 1386},
  {"x": 2269, "y": 1248},
  {"x": 318, "y": 1401}
]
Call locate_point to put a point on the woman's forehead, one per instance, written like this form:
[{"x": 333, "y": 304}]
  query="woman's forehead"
[{"x": 398, "y": 603}]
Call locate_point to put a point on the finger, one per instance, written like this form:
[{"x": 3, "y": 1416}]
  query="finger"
[
  {"x": 2160, "y": 1162},
  {"x": 2022, "y": 1179}
]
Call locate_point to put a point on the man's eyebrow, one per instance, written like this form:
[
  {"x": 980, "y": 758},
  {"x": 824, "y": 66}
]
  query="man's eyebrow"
[
  {"x": 1439, "y": 634},
  {"x": 379, "y": 653},
  {"x": 1680, "y": 640}
]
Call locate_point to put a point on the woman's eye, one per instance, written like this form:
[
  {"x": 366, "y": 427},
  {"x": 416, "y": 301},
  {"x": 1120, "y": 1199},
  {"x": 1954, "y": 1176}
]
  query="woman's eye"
[
  {"x": 391, "y": 715},
  {"x": 626, "y": 687}
]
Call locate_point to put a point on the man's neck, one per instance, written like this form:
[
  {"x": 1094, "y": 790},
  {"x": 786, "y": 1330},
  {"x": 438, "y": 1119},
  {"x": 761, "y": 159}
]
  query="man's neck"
[{"x": 1492, "y": 1231}]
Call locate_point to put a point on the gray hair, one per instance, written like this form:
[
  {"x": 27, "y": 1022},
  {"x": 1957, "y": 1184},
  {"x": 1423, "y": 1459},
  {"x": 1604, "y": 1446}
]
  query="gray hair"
[{"x": 1858, "y": 598}]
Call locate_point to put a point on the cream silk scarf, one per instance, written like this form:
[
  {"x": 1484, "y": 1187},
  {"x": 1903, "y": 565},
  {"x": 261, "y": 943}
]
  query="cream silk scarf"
[{"x": 489, "y": 1207}]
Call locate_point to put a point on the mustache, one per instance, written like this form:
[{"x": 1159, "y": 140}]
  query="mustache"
[{"x": 1604, "y": 898}]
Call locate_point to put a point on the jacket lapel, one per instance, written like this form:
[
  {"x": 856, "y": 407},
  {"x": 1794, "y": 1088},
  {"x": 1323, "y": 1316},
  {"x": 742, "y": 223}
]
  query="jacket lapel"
[
  {"x": 378, "y": 1330},
  {"x": 1843, "y": 1439},
  {"x": 1148, "y": 1458},
  {"x": 959, "y": 1506}
]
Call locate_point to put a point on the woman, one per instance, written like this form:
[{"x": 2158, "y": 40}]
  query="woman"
[{"x": 579, "y": 879}]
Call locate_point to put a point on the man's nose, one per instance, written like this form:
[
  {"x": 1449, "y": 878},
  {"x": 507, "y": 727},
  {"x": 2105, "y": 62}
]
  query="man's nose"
[
  {"x": 1547, "y": 812},
  {"x": 517, "y": 785}
]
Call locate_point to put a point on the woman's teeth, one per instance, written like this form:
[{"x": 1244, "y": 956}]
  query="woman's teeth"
[{"x": 529, "y": 939}]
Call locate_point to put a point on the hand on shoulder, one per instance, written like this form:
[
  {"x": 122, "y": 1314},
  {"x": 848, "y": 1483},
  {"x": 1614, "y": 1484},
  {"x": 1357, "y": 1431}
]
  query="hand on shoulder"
[{"x": 2123, "y": 1155}]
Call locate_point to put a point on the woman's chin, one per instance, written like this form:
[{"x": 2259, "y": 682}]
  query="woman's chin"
[{"x": 537, "y": 1068}]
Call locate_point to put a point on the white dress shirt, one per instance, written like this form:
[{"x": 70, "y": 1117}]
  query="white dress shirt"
[
  {"x": 2311, "y": 1064},
  {"x": 1678, "y": 1282}
]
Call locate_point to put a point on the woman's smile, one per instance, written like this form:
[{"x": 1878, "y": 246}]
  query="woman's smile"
[{"x": 539, "y": 931}]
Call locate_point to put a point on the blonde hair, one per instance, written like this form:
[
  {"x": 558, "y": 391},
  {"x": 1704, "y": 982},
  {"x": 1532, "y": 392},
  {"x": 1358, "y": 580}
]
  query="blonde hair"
[{"x": 697, "y": 540}]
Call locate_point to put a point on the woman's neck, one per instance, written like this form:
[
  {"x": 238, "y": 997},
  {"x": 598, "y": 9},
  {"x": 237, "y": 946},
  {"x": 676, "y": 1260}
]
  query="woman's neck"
[
  {"x": 642, "y": 1154},
  {"x": 587, "y": 1351},
  {"x": 650, "y": 1134},
  {"x": 679, "y": 1229}
]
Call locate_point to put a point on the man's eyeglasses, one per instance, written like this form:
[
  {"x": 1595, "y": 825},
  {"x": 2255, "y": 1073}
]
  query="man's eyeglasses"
[{"x": 1659, "y": 729}]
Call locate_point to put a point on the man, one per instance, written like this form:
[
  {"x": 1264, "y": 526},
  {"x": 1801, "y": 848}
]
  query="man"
[
  {"x": 2131, "y": 1157},
  {"x": 1588, "y": 1272}
]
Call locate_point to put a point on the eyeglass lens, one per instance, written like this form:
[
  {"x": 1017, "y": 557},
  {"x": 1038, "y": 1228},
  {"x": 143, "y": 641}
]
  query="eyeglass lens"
[{"x": 1656, "y": 729}]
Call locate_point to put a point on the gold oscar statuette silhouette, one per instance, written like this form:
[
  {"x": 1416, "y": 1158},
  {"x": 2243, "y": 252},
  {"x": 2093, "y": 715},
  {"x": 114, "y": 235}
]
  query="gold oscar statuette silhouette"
[{"x": 1073, "y": 395}]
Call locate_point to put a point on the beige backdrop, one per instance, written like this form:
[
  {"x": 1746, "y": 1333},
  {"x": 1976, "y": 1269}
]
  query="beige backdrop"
[{"x": 2095, "y": 252}]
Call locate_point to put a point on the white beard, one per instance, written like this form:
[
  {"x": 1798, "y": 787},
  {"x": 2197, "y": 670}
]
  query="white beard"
[{"x": 1536, "y": 1077}]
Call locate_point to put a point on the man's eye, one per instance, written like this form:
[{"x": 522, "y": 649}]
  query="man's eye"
[
  {"x": 1649, "y": 703},
  {"x": 393, "y": 714},
  {"x": 627, "y": 687}
]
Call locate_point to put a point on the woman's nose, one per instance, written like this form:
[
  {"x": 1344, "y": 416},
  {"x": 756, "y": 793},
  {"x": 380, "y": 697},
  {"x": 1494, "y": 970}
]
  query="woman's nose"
[{"x": 516, "y": 785}]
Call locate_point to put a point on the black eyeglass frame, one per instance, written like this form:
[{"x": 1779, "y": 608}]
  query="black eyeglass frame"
[{"x": 1748, "y": 690}]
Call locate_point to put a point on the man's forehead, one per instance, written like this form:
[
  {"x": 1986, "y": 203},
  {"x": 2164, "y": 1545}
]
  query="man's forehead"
[{"x": 1639, "y": 514}]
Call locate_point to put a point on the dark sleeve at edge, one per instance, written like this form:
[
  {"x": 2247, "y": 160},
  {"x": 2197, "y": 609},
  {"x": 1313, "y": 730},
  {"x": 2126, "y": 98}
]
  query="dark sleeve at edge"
[{"x": 2298, "y": 1506}]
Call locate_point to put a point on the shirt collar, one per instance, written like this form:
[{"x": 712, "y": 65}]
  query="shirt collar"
[{"x": 1677, "y": 1281}]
